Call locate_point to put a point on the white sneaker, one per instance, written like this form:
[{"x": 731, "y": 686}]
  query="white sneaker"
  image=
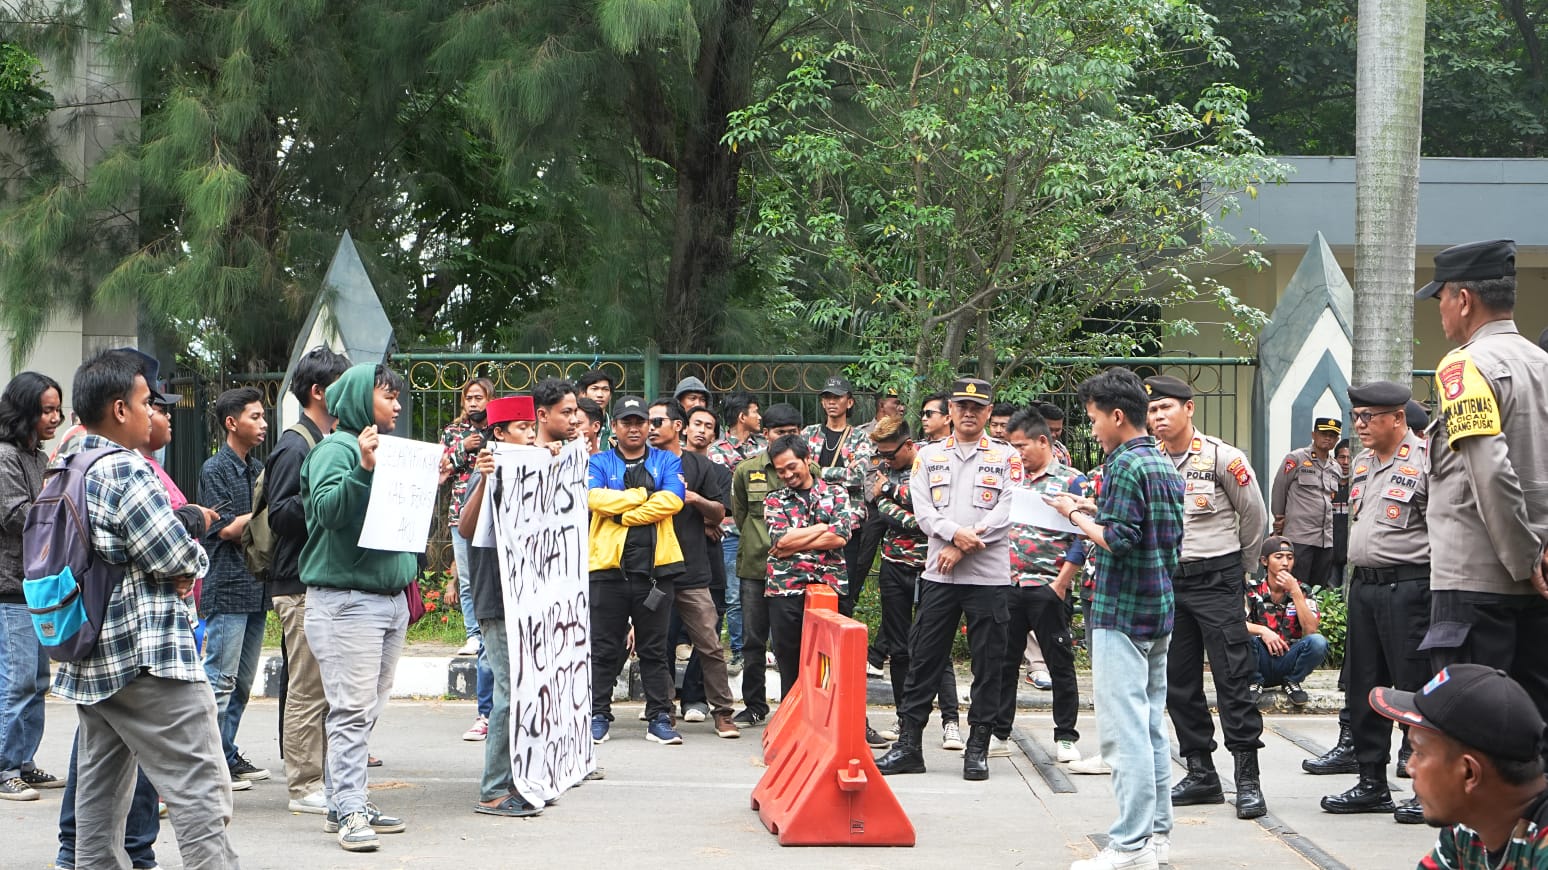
[
  {"x": 240, "y": 785},
  {"x": 872, "y": 670},
  {"x": 1162, "y": 844},
  {"x": 1000, "y": 747},
  {"x": 313, "y": 803},
  {"x": 478, "y": 731},
  {"x": 684, "y": 652},
  {"x": 470, "y": 648},
  {"x": 1093, "y": 766},
  {"x": 1065, "y": 752},
  {"x": 951, "y": 737},
  {"x": 891, "y": 731},
  {"x": 1143, "y": 858}
]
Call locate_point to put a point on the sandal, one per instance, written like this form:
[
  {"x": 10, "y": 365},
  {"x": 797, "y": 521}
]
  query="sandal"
[{"x": 513, "y": 807}]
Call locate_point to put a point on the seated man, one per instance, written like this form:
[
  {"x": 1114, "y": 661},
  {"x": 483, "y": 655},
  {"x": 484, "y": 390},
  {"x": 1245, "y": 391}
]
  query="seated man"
[
  {"x": 1477, "y": 767},
  {"x": 1283, "y": 623}
]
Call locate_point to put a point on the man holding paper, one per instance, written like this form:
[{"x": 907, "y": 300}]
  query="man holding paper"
[{"x": 356, "y": 613}]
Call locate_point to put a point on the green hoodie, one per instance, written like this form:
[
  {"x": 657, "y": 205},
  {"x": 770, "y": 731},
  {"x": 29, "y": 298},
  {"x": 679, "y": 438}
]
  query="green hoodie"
[{"x": 335, "y": 490}]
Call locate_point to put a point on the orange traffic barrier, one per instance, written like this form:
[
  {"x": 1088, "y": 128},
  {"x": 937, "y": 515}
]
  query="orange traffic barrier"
[
  {"x": 819, "y": 596},
  {"x": 822, "y": 788}
]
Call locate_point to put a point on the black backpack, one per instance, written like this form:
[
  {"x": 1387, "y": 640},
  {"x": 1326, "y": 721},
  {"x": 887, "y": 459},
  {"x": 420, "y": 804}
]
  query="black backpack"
[{"x": 67, "y": 585}]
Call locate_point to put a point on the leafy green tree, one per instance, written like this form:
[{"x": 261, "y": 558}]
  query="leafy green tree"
[
  {"x": 983, "y": 182},
  {"x": 23, "y": 100}
]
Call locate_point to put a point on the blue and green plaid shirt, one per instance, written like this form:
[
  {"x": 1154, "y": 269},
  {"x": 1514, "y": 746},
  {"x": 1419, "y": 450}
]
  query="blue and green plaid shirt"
[{"x": 1141, "y": 514}]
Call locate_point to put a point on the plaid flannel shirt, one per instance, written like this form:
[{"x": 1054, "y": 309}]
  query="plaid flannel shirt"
[
  {"x": 226, "y": 479},
  {"x": 1141, "y": 512},
  {"x": 147, "y": 626},
  {"x": 786, "y": 509}
]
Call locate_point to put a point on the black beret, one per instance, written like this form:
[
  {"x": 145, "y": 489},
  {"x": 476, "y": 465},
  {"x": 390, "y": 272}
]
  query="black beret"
[
  {"x": 1380, "y": 394},
  {"x": 782, "y": 414},
  {"x": 1168, "y": 387},
  {"x": 1474, "y": 261},
  {"x": 1417, "y": 416}
]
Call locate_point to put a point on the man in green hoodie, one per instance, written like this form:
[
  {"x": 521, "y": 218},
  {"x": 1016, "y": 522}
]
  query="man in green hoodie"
[{"x": 356, "y": 613}]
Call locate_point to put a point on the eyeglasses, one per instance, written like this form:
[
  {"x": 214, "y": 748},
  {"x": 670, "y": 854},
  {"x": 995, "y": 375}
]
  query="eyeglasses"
[
  {"x": 929, "y": 412},
  {"x": 658, "y": 422},
  {"x": 892, "y": 454},
  {"x": 1367, "y": 416}
]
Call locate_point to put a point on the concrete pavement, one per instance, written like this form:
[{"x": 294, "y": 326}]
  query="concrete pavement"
[{"x": 688, "y": 806}]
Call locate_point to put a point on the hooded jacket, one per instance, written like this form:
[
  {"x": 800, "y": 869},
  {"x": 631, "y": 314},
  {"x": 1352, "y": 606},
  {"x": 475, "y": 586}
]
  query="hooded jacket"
[{"x": 336, "y": 490}]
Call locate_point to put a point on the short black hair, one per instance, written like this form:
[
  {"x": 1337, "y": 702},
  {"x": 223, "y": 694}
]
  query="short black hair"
[
  {"x": 1117, "y": 390},
  {"x": 1049, "y": 410},
  {"x": 21, "y": 407},
  {"x": 1495, "y": 294},
  {"x": 673, "y": 410},
  {"x": 1515, "y": 772},
  {"x": 714, "y": 420},
  {"x": 101, "y": 380},
  {"x": 1003, "y": 409},
  {"x": 942, "y": 397},
  {"x": 319, "y": 367},
  {"x": 388, "y": 379},
  {"x": 1343, "y": 444},
  {"x": 231, "y": 402},
  {"x": 551, "y": 391},
  {"x": 734, "y": 405},
  {"x": 591, "y": 409},
  {"x": 1030, "y": 423},
  {"x": 795, "y": 443},
  {"x": 1542, "y": 339},
  {"x": 594, "y": 376}
]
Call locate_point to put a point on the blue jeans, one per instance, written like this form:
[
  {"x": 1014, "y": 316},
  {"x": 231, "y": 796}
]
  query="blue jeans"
[
  {"x": 464, "y": 587},
  {"x": 1129, "y": 680},
  {"x": 1294, "y": 666},
  {"x": 140, "y": 828},
  {"x": 233, "y": 643},
  {"x": 23, "y": 683},
  {"x": 497, "y": 779},
  {"x": 728, "y": 548}
]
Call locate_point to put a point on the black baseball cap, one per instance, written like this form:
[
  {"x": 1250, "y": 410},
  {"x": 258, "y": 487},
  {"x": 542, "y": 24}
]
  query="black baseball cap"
[
  {"x": 837, "y": 386},
  {"x": 1474, "y": 261},
  {"x": 150, "y": 367},
  {"x": 1476, "y": 705},
  {"x": 1275, "y": 544},
  {"x": 1168, "y": 387},
  {"x": 630, "y": 406},
  {"x": 972, "y": 390}
]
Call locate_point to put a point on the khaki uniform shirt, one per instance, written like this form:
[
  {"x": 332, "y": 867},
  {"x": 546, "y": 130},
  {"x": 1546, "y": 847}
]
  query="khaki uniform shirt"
[
  {"x": 1387, "y": 505},
  {"x": 1489, "y": 464},
  {"x": 1223, "y": 509},
  {"x": 1303, "y": 494},
  {"x": 956, "y": 485}
]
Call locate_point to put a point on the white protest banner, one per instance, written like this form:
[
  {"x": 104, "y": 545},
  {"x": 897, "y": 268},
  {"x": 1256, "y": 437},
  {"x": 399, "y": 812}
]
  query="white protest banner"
[
  {"x": 538, "y": 504},
  {"x": 1029, "y": 509},
  {"x": 403, "y": 491}
]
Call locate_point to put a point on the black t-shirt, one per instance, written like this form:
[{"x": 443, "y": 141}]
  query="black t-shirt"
[
  {"x": 639, "y": 550},
  {"x": 484, "y": 573},
  {"x": 717, "y": 559},
  {"x": 832, "y": 439},
  {"x": 699, "y": 477}
]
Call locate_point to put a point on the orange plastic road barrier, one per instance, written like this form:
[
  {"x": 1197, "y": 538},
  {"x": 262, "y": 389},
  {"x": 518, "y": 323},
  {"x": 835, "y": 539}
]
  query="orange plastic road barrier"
[
  {"x": 818, "y": 597},
  {"x": 823, "y": 788}
]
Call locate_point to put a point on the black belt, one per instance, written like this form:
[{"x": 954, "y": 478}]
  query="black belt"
[
  {"x": 1392, "y": 574},
  {"x": 1200, "y": 567}
]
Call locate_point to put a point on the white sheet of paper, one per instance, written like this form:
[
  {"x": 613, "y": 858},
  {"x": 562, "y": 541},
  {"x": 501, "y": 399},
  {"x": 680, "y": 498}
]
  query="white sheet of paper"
[
  {"x": 403, "y": 490},
  {"x": 1029, "y": 509}
]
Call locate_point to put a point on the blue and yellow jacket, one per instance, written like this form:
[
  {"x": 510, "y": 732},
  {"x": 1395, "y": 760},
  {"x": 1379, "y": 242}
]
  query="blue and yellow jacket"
[{"x": 615, "y": 510}]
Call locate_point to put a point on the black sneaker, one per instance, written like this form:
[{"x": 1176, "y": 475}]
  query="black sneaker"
[
  {"x": 379, "y": 822},
  {"x": 874, "y": 740},
  {"x": 749, "y": 719},
  {"x": 1255, "y": 692},
  {"x": 40, "y": 778},
  {"x": 244, "y": 769},
  {"x": 1297, "y": 694}
]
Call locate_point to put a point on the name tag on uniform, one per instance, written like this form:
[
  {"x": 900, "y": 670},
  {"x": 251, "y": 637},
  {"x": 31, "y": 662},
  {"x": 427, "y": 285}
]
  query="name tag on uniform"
[{"x": 1201, "y": 486}]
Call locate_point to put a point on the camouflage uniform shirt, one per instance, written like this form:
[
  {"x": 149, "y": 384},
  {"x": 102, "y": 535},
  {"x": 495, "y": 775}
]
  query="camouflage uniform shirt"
[
  {"x": 786, "y": 509},
  {"x": 1035, "y": 553}
]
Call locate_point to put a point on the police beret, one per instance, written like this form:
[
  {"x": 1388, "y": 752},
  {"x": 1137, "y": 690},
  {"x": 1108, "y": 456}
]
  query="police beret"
[
  {"x": 1380, "y": 394},
  {"x": 1328, "y": 424},
  {"x": 1474, "y": 261},
  {"x": 1417, "y": 416},
  {"x": 972, "y": 390},
  {"x": 1168, "y": 387},
  {"x": 1275, "y": 544},
  {"x": 782, "y": 414}
]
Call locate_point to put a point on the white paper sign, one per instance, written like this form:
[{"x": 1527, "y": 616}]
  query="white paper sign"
[
  {"x": 538, "y": 503},
  {"x": 403, "y": 490},
  {"x": 1029, "y": 509}
]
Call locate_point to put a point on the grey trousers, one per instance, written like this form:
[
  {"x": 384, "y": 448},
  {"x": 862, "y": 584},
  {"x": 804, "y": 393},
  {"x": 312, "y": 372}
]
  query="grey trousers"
[
  {"x": 169, "y": 728},
  {"x": 357, "y": 638},
  {"x": 305, "y": 705}
]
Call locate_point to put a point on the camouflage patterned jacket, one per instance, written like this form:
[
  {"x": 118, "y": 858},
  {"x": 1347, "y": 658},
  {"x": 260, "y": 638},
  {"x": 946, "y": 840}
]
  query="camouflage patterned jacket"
[
  {"x": 786, "y": 509},
  {"x": 850, "y": 463},
  {"x": 1035, "y": 553},
  {"x": 902, "y": 543}
]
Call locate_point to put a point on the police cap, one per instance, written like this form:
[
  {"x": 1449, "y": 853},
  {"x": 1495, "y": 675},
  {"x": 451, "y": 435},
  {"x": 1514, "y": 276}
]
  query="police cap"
[
  {"x": 1168, "y": 387},
  {"x": 1328, "y": 424},
  {"x": 1380, "y": 394},
  {"x": 782, "y": 414},
  {"x": 1476, "y": 705},
  {"x": 1474, "y": 261},
  {"x": 972, "y": 390}
]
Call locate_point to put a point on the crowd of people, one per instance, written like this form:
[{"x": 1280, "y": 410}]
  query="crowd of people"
[{"x": 717, "y": 513}]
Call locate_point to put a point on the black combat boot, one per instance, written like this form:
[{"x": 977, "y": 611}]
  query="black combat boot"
[
  {"x": 1403, "y": 754},
  {"x": 1409, "y": 812},
  {"x": 975, "y": 758},
  {"x": 905, "y": 756},
  {"x": 1249, "y": 791},
  {"x": 1370, "y": 794},
  {"x": 1339, "y": 759},
  {"x": 1201, "y": 785}
]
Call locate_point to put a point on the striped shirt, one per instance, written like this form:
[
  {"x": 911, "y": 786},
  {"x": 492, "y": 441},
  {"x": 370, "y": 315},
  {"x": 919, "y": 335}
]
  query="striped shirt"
[{"x": 146, "y": 627}]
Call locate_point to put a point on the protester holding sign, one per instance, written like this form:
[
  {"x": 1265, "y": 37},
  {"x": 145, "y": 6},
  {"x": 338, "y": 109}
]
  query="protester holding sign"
[{"x": 356, "y": 637}]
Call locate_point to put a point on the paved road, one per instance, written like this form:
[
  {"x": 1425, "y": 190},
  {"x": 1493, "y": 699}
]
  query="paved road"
[{"x": 688, "y": 806}]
